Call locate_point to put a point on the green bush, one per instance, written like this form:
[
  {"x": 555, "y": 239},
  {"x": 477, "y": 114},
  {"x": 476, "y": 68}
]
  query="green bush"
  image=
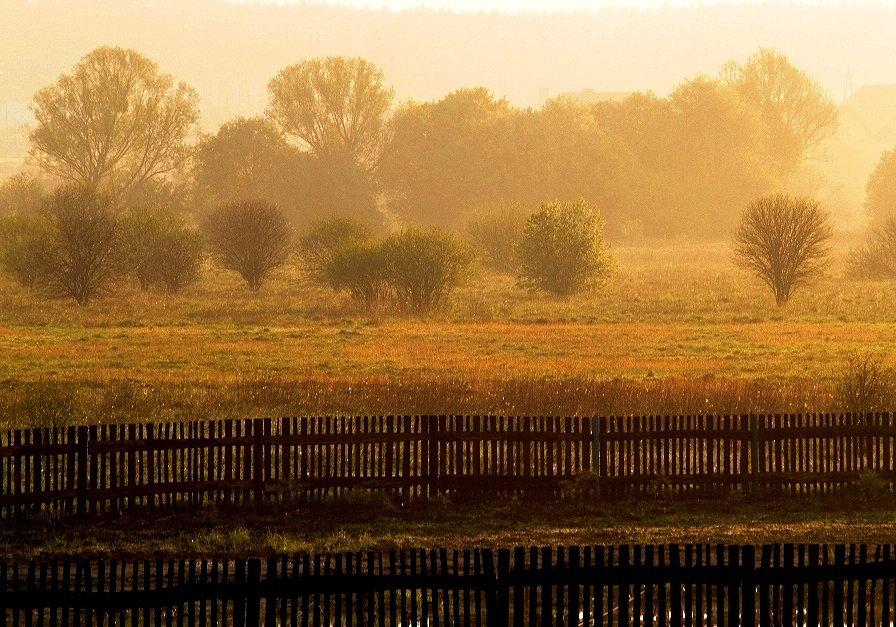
[
  {"x": 160, "y": 249},
  {"x": 326, "y": 239},
  {"x": 360, "y": 270},
  {"x": 870, "y": 489},
  {"x": 48, "y": 404},
  {"x": 342, "y": 254},
  {"x": 563, "y": 250},
  {"x": 19, "y": 237},
  {"x": 424, "y": 266}
]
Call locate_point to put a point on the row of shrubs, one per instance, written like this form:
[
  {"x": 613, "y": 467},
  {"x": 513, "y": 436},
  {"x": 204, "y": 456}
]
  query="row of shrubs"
[{"x": 78, "y": 244}]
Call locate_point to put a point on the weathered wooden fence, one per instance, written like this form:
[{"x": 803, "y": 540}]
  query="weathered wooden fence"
[
  {"x": 236, "y": 462},
  {"x": 627, "y": 585}
]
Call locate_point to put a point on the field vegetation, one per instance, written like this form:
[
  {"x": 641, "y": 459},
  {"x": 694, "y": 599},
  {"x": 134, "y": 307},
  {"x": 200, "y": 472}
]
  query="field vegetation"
[
  {"x": 679, "y": 329},
  {"x": 675, "y": 328},
  {"x": 358, "y": 523}
]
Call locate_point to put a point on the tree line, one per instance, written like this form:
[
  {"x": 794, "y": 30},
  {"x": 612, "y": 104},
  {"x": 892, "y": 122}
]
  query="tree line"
[{"x": 124, "y": 177}]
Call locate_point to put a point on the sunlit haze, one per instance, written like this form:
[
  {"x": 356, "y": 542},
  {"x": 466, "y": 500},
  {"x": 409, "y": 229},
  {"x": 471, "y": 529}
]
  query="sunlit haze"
[
  {"x": 539, "y": 6},
  {"x": 524, "y": 51}
]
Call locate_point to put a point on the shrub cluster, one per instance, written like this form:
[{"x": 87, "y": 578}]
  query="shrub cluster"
[
  {"x": 415, "y": 269},
  {"x": 76, "y": 245},
  {"x": 562, "y": 250},
  {"x": 875, "y": 258}
]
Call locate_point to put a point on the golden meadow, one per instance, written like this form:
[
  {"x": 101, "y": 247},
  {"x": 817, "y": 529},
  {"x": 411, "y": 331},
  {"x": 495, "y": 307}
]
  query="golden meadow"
[{"x": 680, "y": 329}]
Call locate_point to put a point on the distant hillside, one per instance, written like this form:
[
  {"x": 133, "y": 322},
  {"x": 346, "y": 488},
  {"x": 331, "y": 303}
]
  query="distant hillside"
[{"x": 230, "y": 51}]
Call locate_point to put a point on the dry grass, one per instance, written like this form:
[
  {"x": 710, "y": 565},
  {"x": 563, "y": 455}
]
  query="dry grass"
[
  {"x": 680, "y": 330},
  {"x": 350, "y": 527}
]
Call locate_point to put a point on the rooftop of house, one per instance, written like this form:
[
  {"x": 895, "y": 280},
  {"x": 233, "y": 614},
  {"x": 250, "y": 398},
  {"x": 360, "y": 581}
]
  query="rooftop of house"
[{"x": 873, "y": 109}]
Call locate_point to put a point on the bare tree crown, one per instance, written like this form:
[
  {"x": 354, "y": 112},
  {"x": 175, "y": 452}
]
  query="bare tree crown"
[{"x": 783, "y": 240}]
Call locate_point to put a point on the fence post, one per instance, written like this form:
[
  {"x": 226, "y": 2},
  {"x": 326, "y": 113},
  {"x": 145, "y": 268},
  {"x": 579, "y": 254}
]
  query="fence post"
[
  {"x": 258, "y": 462},
  {"x": 432, "y": 428},
  {"x": 82, "y": 454},
  {"x": 253, "y": 592},
  {"x": 595, "y": 453},
  {"x": 748, "y": 586},
  {"x": 754, "y": 452},
  {"x": 71, "y": 462},
  {"x": 495, "y": 614}
]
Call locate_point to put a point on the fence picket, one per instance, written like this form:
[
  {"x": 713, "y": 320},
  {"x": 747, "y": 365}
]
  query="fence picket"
[{"x": 105, "y": 468}]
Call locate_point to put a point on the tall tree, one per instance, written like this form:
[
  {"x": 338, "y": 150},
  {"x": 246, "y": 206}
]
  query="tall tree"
[
  {"x": 333, "y": 106},
  {"x": 249, "y": 159},
  {"x": 717, "y": 162},
  {"x": 800, "y": 115},
  {"x": 113, "y": 124},
  {"x": 445, "y": 159}
]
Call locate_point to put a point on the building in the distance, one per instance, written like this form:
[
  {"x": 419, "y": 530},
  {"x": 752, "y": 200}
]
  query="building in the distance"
[
  {"x": 589, "y": 96},
  {"x": 867, "y": 127}
]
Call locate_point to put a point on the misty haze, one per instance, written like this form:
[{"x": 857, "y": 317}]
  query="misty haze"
[{"x": 299, "y": 282}]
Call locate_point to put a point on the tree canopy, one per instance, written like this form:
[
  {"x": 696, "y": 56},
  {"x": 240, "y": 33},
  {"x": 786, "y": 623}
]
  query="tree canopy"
[
  {"x": 113, "y": 124},
  {"x": 783, "y": 240},
  {"x": 247, "y": 159},
  {"x": 333, "y": 106},
  {"x": 799, "y": 114}
]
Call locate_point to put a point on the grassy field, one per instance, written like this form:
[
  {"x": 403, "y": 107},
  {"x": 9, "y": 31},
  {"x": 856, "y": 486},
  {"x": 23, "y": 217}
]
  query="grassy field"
[
  {"x": 680, "y": 329},
  {"x": 351, "y": 525}
]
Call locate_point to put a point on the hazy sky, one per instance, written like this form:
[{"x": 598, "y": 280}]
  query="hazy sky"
[{"x": 515, "y": 6}]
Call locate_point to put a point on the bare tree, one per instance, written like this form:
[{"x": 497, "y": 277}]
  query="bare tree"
[
  {"x": 875, "y": 258},
  {"x": 783, "y": 240},
  {"x": 114, "y": 123},
  {"x": 78, "y": 254},
  {"x": 250, "y": 237}
]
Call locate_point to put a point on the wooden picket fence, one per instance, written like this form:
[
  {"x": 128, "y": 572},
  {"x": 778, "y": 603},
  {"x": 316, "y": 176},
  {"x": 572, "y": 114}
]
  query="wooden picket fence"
[
  {"x": 264, "y": 462},
  {"x": 689, "y": 585}
]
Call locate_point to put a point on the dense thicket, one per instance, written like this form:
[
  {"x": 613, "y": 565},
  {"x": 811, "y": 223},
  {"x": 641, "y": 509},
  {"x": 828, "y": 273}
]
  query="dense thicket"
[{"x": 683, "y": 165}]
